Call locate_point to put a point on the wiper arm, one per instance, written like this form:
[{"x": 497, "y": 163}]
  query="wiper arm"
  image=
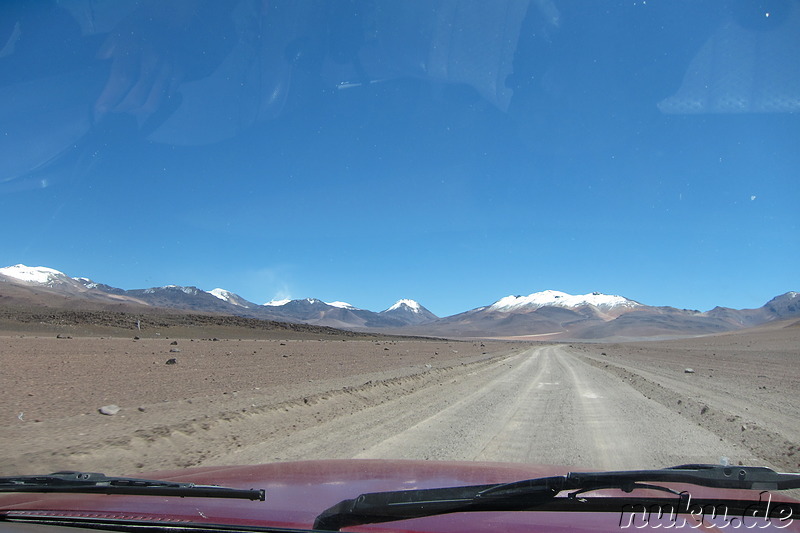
[
  {"x": 716, "y": 476},
  {"x": 94, "y": 483},
  {"x": 537, "y": 493}
]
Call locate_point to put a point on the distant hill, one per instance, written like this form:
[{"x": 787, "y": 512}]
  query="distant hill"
[{"x": 547, "y": 314}]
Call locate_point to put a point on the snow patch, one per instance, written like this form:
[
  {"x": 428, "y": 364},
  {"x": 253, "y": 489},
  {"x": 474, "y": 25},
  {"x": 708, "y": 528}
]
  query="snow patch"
[
  {"x": 222, "y": 294},
  {"x": 226, "y": 296},
  {"x": 86, "y": 282},
  {"x": 277, "y": 303},
  {"x": 41, "y": 275},
  {"x": 341, "y": 305},
  {"x": 561, "y": 299},
  {"x": 412, "y": 306},
  {"x": 187, "y": 290}
]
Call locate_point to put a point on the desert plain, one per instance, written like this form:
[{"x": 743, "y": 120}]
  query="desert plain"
[{"x": 192, "y": 395}]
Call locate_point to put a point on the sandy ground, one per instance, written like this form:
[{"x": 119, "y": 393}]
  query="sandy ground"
[
  {"x": 218, "y": 396},
  {"x": 745, "y": 387},
  {"x": 234, "y": 401}
]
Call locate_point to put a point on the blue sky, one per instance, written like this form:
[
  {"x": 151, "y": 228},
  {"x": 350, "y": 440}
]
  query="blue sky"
[{"x": 421, "y": 188}]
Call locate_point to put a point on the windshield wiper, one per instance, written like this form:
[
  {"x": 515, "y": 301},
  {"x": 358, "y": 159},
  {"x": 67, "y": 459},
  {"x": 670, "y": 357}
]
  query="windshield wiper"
[
  {"x": 92, "y": 482},
  {"x": 540, "y": 493}
]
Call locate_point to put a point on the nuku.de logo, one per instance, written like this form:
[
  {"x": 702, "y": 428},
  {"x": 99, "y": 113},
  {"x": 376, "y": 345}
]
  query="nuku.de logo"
[{"x": 761, "y": 514}]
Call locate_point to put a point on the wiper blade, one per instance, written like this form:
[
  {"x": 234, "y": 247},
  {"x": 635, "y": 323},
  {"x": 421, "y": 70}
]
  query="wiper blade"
[
  {"x": 95, "y": 483},
  {"x": 540, "y": 493}
]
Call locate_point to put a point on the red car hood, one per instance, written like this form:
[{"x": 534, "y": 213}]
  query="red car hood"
[{"x": 297, "y": 492}]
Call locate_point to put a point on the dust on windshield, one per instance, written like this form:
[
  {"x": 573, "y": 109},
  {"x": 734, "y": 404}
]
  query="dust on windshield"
[{"x": 358, "y": 196}]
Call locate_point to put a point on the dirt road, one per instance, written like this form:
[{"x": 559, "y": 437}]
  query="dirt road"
[
  {"x": 544, "y": 405},
  {"x": 614, "y": 406}
]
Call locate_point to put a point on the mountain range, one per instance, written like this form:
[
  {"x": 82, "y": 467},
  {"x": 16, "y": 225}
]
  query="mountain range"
[{"x": 542, "y": 315}]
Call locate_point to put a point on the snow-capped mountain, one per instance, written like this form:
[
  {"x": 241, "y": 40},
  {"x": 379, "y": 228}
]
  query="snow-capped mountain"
[
  {"x": 410, "y": 305},
  {"x": 191, "y": 291},
  {"x": 542, "y": 315},
  {"x": 42, "y": 276},
  {"x": 102, "y": 287},
  {"x": 550, "y": 298},
  {"x": 231, "y": 298},
  {"x": 310, "y": 301},
  {"x": 410, "y": 312},
  {"x": 52, "y": 288},
  {"x": 177, "y": 297},
  {"x": 335, "y": 314},
  {"x": 787, "y": 304},
  {"x": 557, "y": 315}
]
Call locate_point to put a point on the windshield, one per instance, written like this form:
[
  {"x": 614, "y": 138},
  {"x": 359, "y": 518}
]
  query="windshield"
[{"x": 543, "y": 232}]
